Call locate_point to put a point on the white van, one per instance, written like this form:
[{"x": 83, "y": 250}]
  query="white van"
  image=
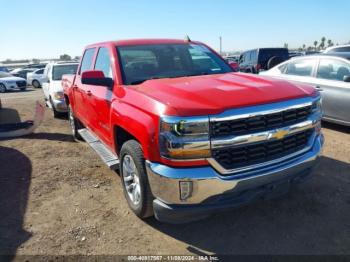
[{"x": 52, "y": 86}]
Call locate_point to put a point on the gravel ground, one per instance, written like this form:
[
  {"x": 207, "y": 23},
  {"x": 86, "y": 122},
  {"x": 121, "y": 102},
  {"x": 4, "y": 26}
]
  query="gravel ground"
[{"x": 58, "y": 198}]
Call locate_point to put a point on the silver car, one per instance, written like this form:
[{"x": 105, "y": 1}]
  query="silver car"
[{"x": 330, "y": 74}]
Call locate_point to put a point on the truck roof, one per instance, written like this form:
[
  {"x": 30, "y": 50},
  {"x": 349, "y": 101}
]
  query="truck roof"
[{"x": 142, "y": 42}]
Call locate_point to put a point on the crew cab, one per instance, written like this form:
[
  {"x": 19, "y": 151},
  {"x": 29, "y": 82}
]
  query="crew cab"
[{"x": 188, "y": 136}]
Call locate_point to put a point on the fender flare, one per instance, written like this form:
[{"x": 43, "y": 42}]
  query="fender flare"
[{"x": 137, "y": 123}]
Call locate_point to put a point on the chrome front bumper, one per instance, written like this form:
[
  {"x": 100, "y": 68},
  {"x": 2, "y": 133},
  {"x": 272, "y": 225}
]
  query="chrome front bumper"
[
  {"x": 208, "y": 184},
  {"x": 60, "y": 105}
]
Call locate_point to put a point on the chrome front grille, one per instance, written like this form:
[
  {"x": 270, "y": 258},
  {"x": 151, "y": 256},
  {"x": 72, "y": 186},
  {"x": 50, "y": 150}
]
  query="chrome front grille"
[
  {"x": 251, "y": 154},
  {"x": 260, "y": 123},
  {"x": 21, "y": 83},
  {"x": 254, "y": 137}
]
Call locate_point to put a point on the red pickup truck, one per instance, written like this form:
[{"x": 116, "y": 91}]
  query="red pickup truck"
[{"x": 188, "y": 136}]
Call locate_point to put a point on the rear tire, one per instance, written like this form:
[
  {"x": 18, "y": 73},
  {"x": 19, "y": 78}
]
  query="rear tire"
[
  {"x": 273, "y": 61},
  {"x": 36, "y": 84},
  {"x": 74, "y": 124},
  {"x": 134, "y": 177}
]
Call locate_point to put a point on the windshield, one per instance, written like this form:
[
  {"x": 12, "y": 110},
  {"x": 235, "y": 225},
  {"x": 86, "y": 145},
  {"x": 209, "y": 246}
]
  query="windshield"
[
  {"x": 59, "y": 70},
  {"x": 4, "y": 74},
  {"x": 144, "y": 62}
]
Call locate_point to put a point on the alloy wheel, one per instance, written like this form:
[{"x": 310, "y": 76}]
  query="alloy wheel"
[{"x": 131, "y": 180}]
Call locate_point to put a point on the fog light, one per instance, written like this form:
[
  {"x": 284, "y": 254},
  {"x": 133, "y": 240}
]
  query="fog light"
[{"x": 186, "y": 188}]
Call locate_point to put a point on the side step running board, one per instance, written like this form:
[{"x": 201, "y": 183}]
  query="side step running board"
[{"x": 108, "y": 157}]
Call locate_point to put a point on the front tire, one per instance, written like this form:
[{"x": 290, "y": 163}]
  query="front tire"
[
  {"x": 134, "y": 179},
  {"x": 2, "y": 88},
  {"x": 54, "y": 111},
  {"x": 35, "y": 84}
]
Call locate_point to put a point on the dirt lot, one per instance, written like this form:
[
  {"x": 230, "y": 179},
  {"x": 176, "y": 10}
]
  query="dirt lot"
[{"x": 57, "y": 197}]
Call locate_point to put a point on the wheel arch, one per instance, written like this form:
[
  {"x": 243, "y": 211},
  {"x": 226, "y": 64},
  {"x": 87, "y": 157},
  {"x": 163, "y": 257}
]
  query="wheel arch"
[{"x": 131, "y": 123}]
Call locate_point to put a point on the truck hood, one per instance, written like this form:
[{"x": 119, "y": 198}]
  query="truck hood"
[{"x": 213, "y": 94}]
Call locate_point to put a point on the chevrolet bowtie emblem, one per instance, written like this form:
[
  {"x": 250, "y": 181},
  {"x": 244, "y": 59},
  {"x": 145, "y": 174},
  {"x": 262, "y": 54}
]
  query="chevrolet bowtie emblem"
[{"x": 280, "y": 134}]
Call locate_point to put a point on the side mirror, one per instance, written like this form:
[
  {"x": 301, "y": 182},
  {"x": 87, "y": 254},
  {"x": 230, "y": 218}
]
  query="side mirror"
[
  {"x": 346, "y": 79},
  {"x": 96, "y": 78}
]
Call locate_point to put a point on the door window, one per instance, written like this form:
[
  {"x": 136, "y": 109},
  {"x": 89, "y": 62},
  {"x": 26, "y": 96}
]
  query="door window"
[
  {"x": 301, "y": 67},
  {"x": 103, "y": 62},
  {"x": 332, "y": 69},
  {"x": 87, "y": 60}
]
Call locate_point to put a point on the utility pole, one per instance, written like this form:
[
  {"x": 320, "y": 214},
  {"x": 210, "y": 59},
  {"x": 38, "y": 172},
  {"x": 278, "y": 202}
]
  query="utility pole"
[{"x": 220, "y": 45}]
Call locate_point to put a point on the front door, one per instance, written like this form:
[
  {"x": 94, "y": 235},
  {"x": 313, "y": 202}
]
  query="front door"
[
  {"x": 101, "y": 98},
  {"x": 335, "y": 92}
]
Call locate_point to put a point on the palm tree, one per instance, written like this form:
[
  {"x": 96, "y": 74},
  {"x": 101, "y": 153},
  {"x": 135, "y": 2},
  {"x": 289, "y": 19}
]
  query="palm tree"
[
  {"x": 315, "y": 44},
  {"x": 304, "y": 46},
  {"x": 322, "y": 44},
  {"x": 330, "y": 43}
]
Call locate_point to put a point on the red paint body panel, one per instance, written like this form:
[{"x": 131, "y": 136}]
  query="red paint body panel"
[
  {"x": 213, "y": 94},
  {"x": 137, "y": 108}
]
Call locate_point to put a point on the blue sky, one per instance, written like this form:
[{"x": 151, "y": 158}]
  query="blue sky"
[{"x": 46, "y": 29}]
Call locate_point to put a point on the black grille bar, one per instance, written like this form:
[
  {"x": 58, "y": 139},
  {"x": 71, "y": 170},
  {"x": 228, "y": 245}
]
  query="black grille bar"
[
  {"x": 21, "y": 83},
  {"x": 259, "y": 123},
  {"x": 255, "y": 153}
]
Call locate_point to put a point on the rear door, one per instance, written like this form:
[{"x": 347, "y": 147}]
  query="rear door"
[
  {"x": 82, "y": 108},
  {"x": 101, "y": 98},
  {"x": 38, "y": 75},
  {"x": 335, "y": 92}
]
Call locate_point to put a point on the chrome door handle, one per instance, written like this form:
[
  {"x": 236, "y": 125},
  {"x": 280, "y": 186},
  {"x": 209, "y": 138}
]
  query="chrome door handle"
[{"x": 319, "y": 88}]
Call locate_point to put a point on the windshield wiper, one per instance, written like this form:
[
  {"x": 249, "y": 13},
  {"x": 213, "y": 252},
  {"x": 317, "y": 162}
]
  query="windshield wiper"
[
  {"x": 137, "y": 82},
  {"x": 144, "y": 80}
]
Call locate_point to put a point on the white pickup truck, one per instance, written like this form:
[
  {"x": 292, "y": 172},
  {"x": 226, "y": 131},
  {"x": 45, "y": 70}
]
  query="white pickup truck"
[{"x": 52, "y": 87}]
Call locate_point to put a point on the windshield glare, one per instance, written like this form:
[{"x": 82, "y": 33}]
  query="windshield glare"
[
  {"x": 60, "y": 70},
  {"x": 144, "y": 62}
]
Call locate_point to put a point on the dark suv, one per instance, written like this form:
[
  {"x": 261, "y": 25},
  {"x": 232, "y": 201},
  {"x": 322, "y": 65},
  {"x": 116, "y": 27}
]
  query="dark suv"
[{"x": 253, "y": 61}]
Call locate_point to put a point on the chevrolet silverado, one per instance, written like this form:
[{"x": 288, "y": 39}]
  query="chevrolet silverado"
[{"x": 190, "y": 137}]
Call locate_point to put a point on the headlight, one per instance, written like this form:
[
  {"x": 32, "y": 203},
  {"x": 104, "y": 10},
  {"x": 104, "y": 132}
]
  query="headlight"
[
  {"x": 184, "y": 138},
  {"x": 317, "y": 106},
  {"x": 58, "y": 95}
]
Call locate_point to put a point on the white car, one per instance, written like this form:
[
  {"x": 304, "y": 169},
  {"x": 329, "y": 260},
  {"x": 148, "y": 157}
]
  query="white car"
[
  {"x": 52, "y": 86},
  {"x": 330, "y": 74},
  {"x": 337, "y": 49},
  {"x": 35, "y": 78},
  {"x": 9, "y": 82}
]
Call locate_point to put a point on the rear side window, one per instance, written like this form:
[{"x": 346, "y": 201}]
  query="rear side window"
[
  {"x": 87, "y": 60},
  {"x": 103, "y": 62},
  {"x": 266, "y": 54},
  {"x": 39, "y": 72},
  {"x": 253, "y": 55},
  {"x": 333, "y": 69},
  {"x": 301, "y": 67}
]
